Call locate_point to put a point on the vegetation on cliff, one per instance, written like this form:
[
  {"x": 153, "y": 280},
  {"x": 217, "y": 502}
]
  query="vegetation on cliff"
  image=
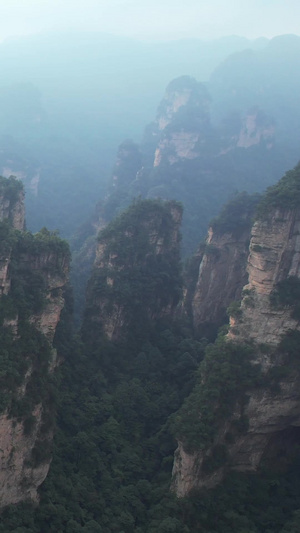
[
  {"x": 10, "y": 189},
  {"x": 287, "y": 294},
  {"x": 32, "y": 259},
  {"x": 223, "y": 378},
  {"x": 139, "y": 272},
  {"x": 237, "y": 214},
  {"x": 283, "y": 195}
]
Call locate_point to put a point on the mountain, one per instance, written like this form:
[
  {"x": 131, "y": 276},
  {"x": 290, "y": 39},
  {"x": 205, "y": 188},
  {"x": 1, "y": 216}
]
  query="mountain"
[
  {"x": 67, "y": 103},
  {"x": 136, "y": 277},
  {"x": 188, "y": 155},
  {"x": 68, "y": 99},
  {"x": 33, "y": 273},
  {"x": 245, "y": 408},
  {"x": 207, "y": 141},
  {"x": 260, "y": 78}
]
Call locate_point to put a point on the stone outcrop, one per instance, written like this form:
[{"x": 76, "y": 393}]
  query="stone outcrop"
[
  {"x": 42, "y": 260},
  {"x": 274, "y": 256},
  {"x": 272, "y": 408},
  {"x": 129, "y": 281},
  {"x": 12, "y": 203},
  {"x": 19, "y": 479},
  {"x": 54, "y": 270},
  {"x": 274, "y": 420},
  {"x": 221, "y": 277},
  {"x": 182, "y": 122},
  {"x": 256, "y": 128},
  {"x": 217, "y": 272},
  {"x": 179, "y": 145},
  {"x": 4, "y": 277}
]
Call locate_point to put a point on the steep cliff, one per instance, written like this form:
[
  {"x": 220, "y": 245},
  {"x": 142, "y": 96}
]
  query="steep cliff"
[
  {"x": 222, "y": 265},
  {"x": 221, "y": 277},
  {"x": 34, "y": 272},
  {"x": 183, "y": 124},
  {"x": 135, "y": 277},
  {"x": 246, "y": 405},
  {"x": 12, "y": 202}
]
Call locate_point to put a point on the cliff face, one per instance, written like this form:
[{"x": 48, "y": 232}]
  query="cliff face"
[
  {"x": 263, "y": 420},
  {"x": 133, "y": 279},
  {"x": 53, "y": 268},
  {"x": 33, "y": 274},
  {"x": 256, "y": 128},
  {"x": 19, "y": 477},
  {"x": 274, "y": 256},
  {"x": 221, "y": 277},
  {"x": 222, "y": 260},
  {"x": 182, "y": 122},
  {"x": 12, "y": 202}
]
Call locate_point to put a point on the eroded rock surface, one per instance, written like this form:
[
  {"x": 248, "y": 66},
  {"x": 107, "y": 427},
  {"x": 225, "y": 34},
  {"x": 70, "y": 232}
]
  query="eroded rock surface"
[
  {"x": 135, "y": 256},
  {"x": 33, "y": 273},
  {"x": 272, "y": 409}
]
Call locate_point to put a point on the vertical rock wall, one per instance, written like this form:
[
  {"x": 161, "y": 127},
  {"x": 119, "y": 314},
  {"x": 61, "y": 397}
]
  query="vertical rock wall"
[
  {"x": 272, "y": 414},
  {"x": 31, "y": 268}
]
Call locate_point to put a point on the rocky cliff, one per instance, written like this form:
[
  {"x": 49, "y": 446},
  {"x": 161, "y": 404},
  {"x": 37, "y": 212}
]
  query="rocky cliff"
[
  {"x": 12, "y": 202},
  {"x": 182, "y": 122},
  {"x": 135, "y": 277},
  {"x": 246, "y": 407},
  {"x": 33, "y": 274},
  {"x": 222, "y": 265},
  {"x": 274, "y": 257}
]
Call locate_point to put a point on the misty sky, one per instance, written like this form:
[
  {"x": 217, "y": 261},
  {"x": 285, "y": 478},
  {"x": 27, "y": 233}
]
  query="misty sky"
[{"x": 152, "y": 19}]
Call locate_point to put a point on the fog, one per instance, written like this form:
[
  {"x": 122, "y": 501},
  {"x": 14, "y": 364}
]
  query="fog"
[
  {"x": 152, "y": 20},
  {"x": 68, "y": 99}
]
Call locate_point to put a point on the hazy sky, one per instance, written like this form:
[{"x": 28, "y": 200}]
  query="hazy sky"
[{"x": 152, "y": 19}]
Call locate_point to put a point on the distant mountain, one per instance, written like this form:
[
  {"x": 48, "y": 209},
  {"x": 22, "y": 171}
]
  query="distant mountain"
[
  {"x": 238, "y": 132},
  {"x": 211, "y": 140},
  {"x": 68, "y": 100},
  {"x": 268, "y": 78}
]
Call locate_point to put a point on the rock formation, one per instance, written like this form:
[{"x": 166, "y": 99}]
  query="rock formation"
[
  {"x": 222, "y": 260},
  {"x": 263, "y": 419},
  {"x": 12, "y": 202},
  {"x": 274, "y": 257},
  {"x": 182, "y": 122},
  {"x": 34, "y": 270},
  {"x": 135, "y": 268},
  {"x": 188, "y": 156},
  {"x": 221, "y": 277}
]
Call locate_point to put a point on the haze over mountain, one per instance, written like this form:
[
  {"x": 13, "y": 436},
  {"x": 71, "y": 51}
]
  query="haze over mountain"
[{"x": 68, "y": 100}]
